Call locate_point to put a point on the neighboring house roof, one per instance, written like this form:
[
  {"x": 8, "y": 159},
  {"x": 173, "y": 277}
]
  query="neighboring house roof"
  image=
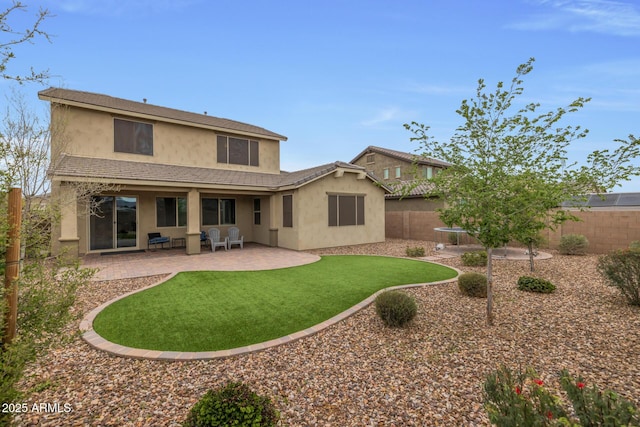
[
  {"x": 401, "y": 155},
  {"x": 415, "y": 189},
  {"x": 97, "y": 101},
  {"x": 126, "y": 171}
]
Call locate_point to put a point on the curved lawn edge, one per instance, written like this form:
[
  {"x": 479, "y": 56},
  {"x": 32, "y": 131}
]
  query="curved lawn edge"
[{"x": 99, "y": 343}]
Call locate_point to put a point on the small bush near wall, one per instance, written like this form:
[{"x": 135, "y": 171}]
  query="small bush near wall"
[
  {"x": 473, "y": 284},
  {"x": 415, "y": 252},
  {"x": 573, "y": 244},
  {"x": 535, "y": 284},
  {"x": 395, "y": 308},
  {"x": 234, "y": 404},
  {"x": 622, "y": 270},
  {"x": 474, "y": 259}
]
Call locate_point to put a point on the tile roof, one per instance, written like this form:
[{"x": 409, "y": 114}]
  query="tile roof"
[
  {"x": 415, "y": 188},
  {"x": 401, "y": 155},
  {"x": 101, "y": 102},
  {"x": 121, "y": 170}
]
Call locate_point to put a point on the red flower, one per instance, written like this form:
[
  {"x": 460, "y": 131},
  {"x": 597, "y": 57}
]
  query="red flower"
[
  {"x": 549, "y": 415},
  {"x": 580, "y": 385},
  {"x": 518, "y": 390},
  {"x": 539, "y": 382}
]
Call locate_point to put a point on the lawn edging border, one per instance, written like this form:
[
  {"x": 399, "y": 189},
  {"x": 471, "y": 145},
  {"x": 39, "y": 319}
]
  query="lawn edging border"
[{"x": 98, "y": 342}]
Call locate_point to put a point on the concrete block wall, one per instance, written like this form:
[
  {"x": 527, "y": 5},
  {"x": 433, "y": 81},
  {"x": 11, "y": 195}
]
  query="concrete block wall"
[{"x": 606, "y": 230}]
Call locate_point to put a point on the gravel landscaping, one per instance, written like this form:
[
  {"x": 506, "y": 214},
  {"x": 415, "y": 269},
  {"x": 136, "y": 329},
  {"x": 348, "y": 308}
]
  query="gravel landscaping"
[{"x": 359, "y": 373}]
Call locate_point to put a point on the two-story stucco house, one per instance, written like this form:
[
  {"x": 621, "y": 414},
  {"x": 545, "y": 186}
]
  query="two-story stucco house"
[
  {"x": 180, "y": 173},
  {"x": 396, "y": 169}
]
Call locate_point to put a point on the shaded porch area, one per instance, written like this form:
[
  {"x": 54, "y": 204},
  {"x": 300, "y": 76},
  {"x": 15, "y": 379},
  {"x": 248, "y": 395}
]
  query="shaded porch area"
[{"x": 165, "y": 261}]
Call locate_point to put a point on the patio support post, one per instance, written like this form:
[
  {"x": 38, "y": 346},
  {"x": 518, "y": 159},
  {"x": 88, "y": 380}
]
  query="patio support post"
[
  {"x": 193, "y": 222},
  {"x": 274, "y": 220},
  {"x": 69, "y": 241}
]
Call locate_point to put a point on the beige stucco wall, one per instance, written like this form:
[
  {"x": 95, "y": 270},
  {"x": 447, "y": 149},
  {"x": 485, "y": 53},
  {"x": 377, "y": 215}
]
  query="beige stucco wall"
[
  {"x": 146, "y": 220},
  {"x": 310, "y": 214},
  {"x": 90, "y": 133}
]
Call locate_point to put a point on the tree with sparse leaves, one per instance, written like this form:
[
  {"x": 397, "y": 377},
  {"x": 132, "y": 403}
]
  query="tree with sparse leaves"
[
  {"x": 12, "y": 37},
  {"x": 509, "y": 171}
]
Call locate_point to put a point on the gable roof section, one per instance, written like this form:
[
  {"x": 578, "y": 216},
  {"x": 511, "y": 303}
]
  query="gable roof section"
[
  {"x": 100, "y": 102},
  {"x": 119, "y": 171},
  {"x": 401, "y": 155}
]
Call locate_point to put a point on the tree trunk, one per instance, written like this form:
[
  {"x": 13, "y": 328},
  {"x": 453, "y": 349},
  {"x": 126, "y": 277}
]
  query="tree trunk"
[
  {"x": 489, "y": 287},
  {"x": 531, "y": 256}
]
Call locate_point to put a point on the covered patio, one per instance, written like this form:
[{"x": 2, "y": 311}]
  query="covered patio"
[{"x": 165, "y": 261}]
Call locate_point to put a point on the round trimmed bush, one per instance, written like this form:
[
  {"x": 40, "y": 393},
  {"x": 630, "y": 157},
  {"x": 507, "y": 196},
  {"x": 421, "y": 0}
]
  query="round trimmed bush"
[
  {"x": 473, "y": 284},
  {"x": 474, "y": 259},
  {"x": 234, "y": 404},
  {"x": 535, "y": 284},
  {"x": 395, "y": 308},
  {"x": 573, "y": 244}
]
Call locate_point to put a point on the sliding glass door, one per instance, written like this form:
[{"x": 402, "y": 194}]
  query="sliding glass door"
[{"x": 115, "y": 223}]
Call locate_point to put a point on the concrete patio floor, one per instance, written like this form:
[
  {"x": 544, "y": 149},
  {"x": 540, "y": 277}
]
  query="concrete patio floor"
[{"x": 166, "y": 261}]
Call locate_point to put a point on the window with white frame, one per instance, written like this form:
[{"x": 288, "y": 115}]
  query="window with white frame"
[
  {"x": 256, "y": 212},
  {"x": 398, "y": 171},
  {"x": 385, "y": 173}
]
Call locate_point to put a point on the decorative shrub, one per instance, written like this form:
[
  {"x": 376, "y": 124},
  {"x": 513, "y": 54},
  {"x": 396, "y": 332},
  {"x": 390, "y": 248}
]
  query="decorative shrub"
[
  {"x": 474, "y": 259},
  {"x": 415, "y": 252},
  {"x": 522, "y": 399},
  {"x": 635, "y": 245},
  {"x": 622, "y": 270},
  {"x": 535, "y": 284},
  {"x": 395, "y": 308},
  {"x": 234, "y": 404},
  {"x": 473, "y": 284},
  {"x": 573, "y": 244}
]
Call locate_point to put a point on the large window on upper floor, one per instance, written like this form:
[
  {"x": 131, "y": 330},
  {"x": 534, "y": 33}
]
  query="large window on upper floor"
[
  {"x": 132, "y": 137},
  {"x": 238, "y": 151}
]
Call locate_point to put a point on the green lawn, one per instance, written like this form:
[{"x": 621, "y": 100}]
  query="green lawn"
[{"x": 217, "y": 310}]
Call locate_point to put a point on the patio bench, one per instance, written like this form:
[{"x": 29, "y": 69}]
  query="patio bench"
[{"x": 157, "y": 239}]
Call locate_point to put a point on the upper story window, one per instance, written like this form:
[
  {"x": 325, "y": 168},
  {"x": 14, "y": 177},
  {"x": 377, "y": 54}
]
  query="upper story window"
[
  {"x": 238, "y": 151},
  {"x": 132, "y": 137},
  {"x": 427, "y": 172},
  {"x": 385, "y": 173},
  {"x": 398, "y": 171}
]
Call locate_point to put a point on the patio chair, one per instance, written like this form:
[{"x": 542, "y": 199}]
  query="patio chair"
[
  {"x": 204, "y": 239},
  {"x": 214, "y": 239},
  {"x": 157, "y": 239},
  {"x": 235, "y": 238}
]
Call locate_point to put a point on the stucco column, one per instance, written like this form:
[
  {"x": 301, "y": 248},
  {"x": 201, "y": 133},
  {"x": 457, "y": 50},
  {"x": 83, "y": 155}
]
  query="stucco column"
[
  {"x": 274, "y": 220},
  {"x": 193, "y": 222},
  {"x": 68, "y": 240}
]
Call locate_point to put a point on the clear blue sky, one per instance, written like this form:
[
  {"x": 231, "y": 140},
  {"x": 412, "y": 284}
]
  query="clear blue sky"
[{"x": 337, "y": 76}]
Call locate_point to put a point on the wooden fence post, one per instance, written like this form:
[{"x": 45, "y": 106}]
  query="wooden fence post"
[{"x": 12, "y": 267}]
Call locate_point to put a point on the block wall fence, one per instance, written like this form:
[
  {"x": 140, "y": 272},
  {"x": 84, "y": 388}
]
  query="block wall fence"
[{"x": 606, "y": 230}]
